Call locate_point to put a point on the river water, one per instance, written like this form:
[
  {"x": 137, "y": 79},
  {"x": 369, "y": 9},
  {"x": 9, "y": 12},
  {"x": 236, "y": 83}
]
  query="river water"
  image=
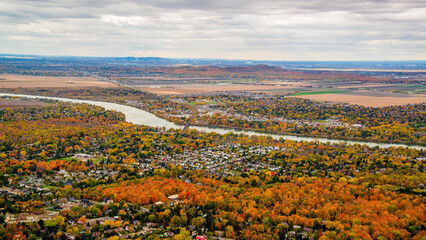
[{"x": 138, "y": 116}]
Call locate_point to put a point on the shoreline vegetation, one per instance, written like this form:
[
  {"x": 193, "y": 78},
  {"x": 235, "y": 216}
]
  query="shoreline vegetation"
[
  {"x": 311, "y": 136},
  {"x": 186, "y": 125}
]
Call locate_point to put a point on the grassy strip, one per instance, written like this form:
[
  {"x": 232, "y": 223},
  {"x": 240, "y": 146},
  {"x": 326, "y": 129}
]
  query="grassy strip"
[
  {"x": 49, "y": 223},
  {"x": 414, "y": 86}
]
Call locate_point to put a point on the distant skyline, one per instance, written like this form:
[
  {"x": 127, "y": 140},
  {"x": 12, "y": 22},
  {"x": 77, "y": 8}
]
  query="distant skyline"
[{"x": 321, "y": 30}]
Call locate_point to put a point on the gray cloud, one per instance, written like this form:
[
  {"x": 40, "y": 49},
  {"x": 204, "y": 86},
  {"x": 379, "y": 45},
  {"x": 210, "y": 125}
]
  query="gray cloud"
[{"x": 268, "y": 29}]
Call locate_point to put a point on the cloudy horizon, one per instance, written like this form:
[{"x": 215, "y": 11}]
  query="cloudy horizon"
[{"x": 233, "y": 29}]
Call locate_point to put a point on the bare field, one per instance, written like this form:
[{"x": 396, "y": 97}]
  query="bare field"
[
  {"x": 204, "y": 88},
  {"x": 369, "y": 98},
  {"x": 367, "y": 85},
  {"x": 289, "y": 83},
  {"x": 15, "y": 81},
  {"x": 10, "y": 103}
]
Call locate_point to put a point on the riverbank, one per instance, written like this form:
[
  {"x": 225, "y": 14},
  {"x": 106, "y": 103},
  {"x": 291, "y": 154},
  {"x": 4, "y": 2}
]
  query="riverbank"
[
  {"x": 139, "y": 116},
  {"x": 360, "y": 140}
]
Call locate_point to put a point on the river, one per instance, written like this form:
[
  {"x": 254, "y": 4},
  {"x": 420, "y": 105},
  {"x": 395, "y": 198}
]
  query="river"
[{"x": 139, "y": 116}]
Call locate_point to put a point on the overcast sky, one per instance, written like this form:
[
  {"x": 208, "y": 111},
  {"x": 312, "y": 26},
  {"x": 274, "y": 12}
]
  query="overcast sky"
[{"x": 231, "y": 29}]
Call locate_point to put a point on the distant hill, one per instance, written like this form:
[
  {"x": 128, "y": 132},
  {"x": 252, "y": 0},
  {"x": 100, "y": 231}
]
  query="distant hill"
[{"x": 291, "y": 65}]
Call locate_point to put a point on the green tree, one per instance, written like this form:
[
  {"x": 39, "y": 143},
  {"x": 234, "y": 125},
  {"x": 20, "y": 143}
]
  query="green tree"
[
  {"x": 183, "y": 235},
  {"x": 59, "y": 220}
]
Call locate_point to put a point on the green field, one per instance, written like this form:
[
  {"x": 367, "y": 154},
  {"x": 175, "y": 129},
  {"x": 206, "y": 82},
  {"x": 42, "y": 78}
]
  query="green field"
[
  {"x": 49, "y": 223},
  {"x": 414, "y": 86},
  {"x": 69, "y": 159},
  {"x": 318, "y": 92}
]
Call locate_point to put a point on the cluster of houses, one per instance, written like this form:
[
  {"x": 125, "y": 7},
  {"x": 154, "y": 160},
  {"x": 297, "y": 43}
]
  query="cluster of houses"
[
  {"x": 331, "y": 122},
  {"x": 69, "y": 178},
  {"x": 222, "y": 160}
]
